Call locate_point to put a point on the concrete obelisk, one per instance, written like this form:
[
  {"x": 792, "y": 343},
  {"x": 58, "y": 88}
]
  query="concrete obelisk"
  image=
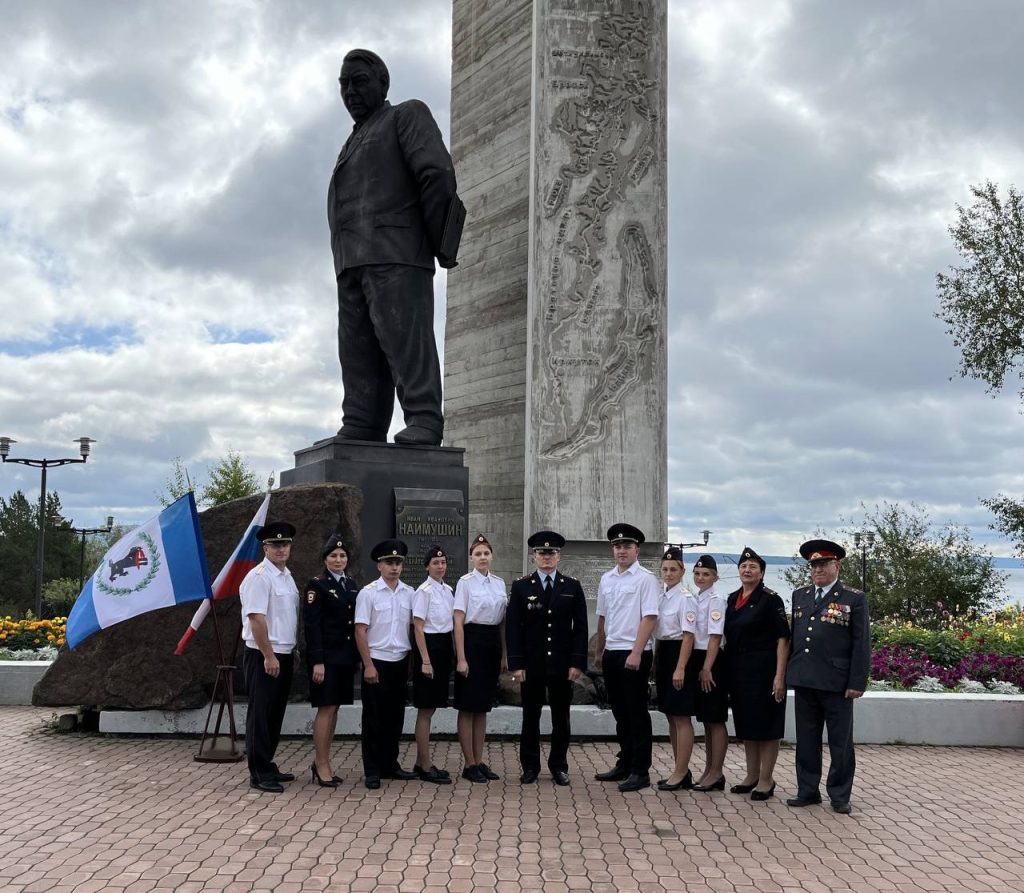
[{"x": 555, "y": 343}]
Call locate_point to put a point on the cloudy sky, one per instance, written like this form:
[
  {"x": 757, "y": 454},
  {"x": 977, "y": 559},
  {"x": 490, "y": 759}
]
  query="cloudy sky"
[{"x": 166, "y": 282}]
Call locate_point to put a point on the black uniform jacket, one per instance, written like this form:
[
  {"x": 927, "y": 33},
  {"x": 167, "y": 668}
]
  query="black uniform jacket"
[
  {"x": 328, "y": 615},
  {"x": 546, "y": 635},
  {"x": 832, "y": 643},
  {"x": 758, "y": 625}
]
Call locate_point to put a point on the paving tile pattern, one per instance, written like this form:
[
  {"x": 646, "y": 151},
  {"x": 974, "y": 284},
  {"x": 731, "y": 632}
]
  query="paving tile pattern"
[{"x": 91, "y": 813}]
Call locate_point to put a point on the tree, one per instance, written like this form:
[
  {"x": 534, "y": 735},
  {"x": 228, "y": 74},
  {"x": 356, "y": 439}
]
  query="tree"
[
  {"x": 231, "y": 478},
  {"x": 178, "y": 484},
  {"x": 982, "y": 302},
  {"x": 915, "y": 565},
  {"x": 1009, "y": 519},
  {"x": 19, "y": 536}
]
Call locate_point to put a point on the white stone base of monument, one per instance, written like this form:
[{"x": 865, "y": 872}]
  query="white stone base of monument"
[
  {"x": 881, "y": 718},
  {"x": 18, "y": 678}
]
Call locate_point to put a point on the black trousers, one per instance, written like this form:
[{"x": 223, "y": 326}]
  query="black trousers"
[
  {"x": 559, "y": 695},
  {"x": 383, "y": 716},
  {"x": 628, "y": 696},
  {"x": 268, "y": 698},
  {"x": 386, "y": 345},
  {"x": 817, "y": 710}
]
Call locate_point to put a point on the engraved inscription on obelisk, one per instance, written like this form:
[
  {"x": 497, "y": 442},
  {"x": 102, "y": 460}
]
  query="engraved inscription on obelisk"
[{"x": 596, "y": 390}]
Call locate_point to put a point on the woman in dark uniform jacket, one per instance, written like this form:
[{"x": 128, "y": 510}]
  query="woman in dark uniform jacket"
[
  {"x": 328, "y": 615},
  {"x": 757, "y": 647}
]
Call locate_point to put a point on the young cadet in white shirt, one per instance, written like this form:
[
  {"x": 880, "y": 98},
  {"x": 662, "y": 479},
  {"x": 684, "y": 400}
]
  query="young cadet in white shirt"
[
  {"x": 627, "y": 610},
  {"x": 270, "y": 624},
  {"x": 700, "y": 668},
  {"x": 432, "y": 618},
  {"x": 383, "y": 616}
]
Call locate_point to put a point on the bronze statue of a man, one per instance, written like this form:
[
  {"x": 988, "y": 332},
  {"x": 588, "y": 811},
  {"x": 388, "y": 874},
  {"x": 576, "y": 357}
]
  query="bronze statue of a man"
[{"x": 392, "y": 209}]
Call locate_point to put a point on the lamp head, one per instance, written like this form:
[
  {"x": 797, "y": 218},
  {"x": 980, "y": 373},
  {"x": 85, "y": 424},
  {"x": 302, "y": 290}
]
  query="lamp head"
[
  {"x": 5, "y": 447},
  {"x": 83, "y": 446}
]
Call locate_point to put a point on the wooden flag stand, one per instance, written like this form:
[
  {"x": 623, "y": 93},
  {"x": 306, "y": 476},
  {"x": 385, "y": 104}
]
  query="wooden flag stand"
[{"x": 212, "y": 747}]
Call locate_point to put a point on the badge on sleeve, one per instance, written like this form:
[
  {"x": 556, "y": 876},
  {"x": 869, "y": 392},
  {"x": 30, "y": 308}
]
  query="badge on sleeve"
[
  {"x": 311, "y": 596},
  {"x": 691, "y": 617},
  {"x": 716, "y": 616}
]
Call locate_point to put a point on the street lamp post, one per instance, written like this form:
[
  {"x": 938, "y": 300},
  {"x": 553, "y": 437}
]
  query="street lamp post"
[
  {"x": 42, "y": 465},
  {"x": 86, "y": 531},
  {"x": 864, "y": 541},
  {"x": 705, "y": 533}
]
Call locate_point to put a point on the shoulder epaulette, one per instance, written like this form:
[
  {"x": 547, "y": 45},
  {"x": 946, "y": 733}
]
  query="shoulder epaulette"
[
  {"x": 770, "y": 591},
  {"x": 261, "y": 569},
  {"x": 466, "y": 576}
]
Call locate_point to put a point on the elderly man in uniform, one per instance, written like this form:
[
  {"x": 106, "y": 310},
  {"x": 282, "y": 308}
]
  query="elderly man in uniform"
[
  {"x": 388, "y": 205},
  {"x": 627, "y": 611},
  {"x": 383, "y": 617},
  {"x": 828, "y": 671},
  {"x": 546, "y": 637},
  {"x": 270, "y": 622}
]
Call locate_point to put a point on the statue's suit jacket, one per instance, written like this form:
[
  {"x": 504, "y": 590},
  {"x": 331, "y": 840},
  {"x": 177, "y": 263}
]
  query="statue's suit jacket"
[
  {"x": 831, "y": 648},
  {"x": 390, "y": 190}
]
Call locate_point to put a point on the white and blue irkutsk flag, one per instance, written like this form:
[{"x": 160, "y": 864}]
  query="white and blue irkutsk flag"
[{"x": 159, "y": 564}]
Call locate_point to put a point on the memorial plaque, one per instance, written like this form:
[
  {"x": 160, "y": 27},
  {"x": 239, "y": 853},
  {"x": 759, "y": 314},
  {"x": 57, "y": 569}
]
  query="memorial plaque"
[{"x": 424, "y": 518}]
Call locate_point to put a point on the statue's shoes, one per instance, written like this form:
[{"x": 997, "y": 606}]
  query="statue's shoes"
[{"x": 417, "y": 436}]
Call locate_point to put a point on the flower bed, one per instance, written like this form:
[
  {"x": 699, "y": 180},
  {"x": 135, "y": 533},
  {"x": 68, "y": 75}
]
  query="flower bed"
[
  {"x": 31, "y": 634},
  {"x": 949, "y": 652}
]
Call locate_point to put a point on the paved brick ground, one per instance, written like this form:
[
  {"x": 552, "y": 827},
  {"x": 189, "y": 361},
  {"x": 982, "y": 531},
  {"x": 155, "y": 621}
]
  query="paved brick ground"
[{"x": 90, "y": 813}]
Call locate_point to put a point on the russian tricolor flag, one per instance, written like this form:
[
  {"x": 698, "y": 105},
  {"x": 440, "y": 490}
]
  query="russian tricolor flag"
[{"x": 248, "y": 553}]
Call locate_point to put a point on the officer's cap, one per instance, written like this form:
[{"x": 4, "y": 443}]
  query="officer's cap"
[
  {"x": 432, "y": 553},
  {"x": 479, "y": 540},
  {"x": 673, "y": 553},
  {"x": 625, "y": 533},
  {"x": 389, "y": 549},
  {"x": 816, "y": 550},
  {"x": 546, "y": 539},
  {"x": 276, "y": 532},
  {"x": 707, "y": 561},
  {"x": 749, "y": 554},
  {"x": 334, "y": 541}
]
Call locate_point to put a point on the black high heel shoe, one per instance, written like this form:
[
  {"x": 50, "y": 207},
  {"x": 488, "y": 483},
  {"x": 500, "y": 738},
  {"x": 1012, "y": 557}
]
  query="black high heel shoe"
[
  {"x": 684, "y": 784},
  {"x": 763, "y": 795},
  {"x": 742, "y": 788},
  {"x": 332, "y": 782},
  {"x": 717, "y": 786}
]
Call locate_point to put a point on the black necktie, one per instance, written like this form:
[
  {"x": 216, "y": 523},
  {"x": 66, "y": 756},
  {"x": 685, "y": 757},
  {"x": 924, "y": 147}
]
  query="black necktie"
[
  {"x": 547, "y": 586},
  {"x": 817, "y": 597}
]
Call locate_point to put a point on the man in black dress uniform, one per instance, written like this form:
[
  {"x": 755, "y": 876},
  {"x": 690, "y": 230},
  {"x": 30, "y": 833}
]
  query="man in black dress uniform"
[
  {"x": 546, "y": 637},
  {"x": 389, "y": 199},
  {"x": 828, "y": 670}
]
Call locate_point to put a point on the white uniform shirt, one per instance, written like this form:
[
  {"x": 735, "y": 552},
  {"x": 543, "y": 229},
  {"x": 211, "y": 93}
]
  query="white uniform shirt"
[
  {"x": 704, "y": 615},
  {"x": 433, "y": 603},
  {"x": 624, "y": 600},
  {"x": 273, "y": 593},
  {"x": 670, "y": 613},
  {"x": 387, "y": 614},
  {"x": 481, "y": 598}
]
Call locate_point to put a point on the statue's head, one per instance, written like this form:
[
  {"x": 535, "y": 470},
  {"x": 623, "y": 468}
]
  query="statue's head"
[{"x": 364, "y": 83}]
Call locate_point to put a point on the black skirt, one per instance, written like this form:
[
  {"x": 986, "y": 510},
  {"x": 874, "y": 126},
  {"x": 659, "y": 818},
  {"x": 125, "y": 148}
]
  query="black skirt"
[
  {"x": 755, "y": 713},
  {"x": 712, "y": 706},
  {"x": 673, "y": 701},
  {"x": 432, "y": 692},
  {"x": 476, "y": 692},
  {"x": 337, "y": 688}
]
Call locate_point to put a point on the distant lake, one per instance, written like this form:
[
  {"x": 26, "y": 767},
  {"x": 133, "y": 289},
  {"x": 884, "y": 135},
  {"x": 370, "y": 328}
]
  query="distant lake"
[{"x": 777, "y": 564}]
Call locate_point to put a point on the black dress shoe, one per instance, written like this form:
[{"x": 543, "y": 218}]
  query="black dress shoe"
[
  {"x": 561, "y": 778},
  {"x": 473, "y": 773},
  {"x": 418, "y": 436},
  {"x": 372, "y": 782},
  {"x": 529, "y": 776},
  {"x": 684, "y": 784},
  {"x": 617, "y": 774},
  {"x": 433, "y": 775},
  {"x": 271, "y": 787},
  {"x": 283, "y": 776},
  {"x": 763, "y": 795},
  {"x": 803, "y": 801},
  {"x": 842, "y": 808},
  {"x": 401, "y": 774},
  {"x": 635, "y": 783},
  {"x": 314, "y": 776},
  {"x": 742, "y": 788},
  {"x": 714, "y": 786},
  {"x": 488, "y": 773}
]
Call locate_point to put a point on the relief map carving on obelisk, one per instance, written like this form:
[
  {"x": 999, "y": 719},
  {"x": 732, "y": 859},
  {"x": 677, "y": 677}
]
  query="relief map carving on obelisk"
[{"x": 597, "y": 282}]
